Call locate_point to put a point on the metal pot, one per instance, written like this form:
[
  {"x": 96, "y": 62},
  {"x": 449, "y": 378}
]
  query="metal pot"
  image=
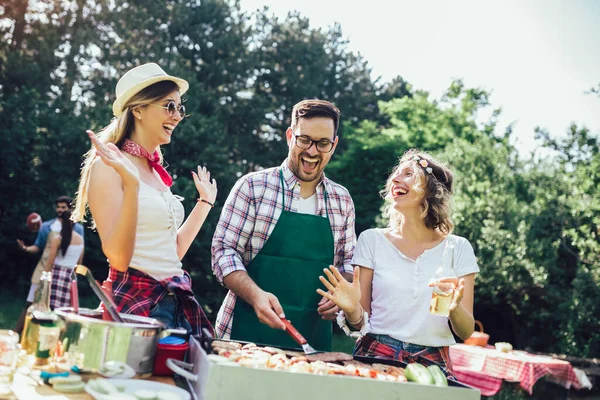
[{"x": 87, "y": 341}]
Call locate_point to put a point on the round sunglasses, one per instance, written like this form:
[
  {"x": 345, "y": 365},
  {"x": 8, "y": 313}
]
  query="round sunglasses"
[{"x": 171, "y": 108}]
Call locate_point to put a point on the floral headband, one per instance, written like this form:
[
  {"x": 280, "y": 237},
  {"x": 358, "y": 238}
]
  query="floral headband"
[{"x": 423, "y": 163}]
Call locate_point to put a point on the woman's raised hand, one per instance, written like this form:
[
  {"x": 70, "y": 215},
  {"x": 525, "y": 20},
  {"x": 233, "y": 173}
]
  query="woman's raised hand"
[
  {"x": 344, "y": 294},
  {"x": 112, "y": 156},
  {"x": 206, "y": 189}
]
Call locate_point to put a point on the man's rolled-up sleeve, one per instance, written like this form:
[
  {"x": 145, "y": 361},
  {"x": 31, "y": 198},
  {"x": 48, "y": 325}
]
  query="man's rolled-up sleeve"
[{"x": 345, "y": 246}]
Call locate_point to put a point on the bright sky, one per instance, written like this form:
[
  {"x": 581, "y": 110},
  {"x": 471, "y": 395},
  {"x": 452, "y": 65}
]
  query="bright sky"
[{"x": 538, "y": 57}]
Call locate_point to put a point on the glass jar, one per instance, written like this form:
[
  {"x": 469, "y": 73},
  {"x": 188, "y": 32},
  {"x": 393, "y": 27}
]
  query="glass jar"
[{"x": 9, "y": 355}]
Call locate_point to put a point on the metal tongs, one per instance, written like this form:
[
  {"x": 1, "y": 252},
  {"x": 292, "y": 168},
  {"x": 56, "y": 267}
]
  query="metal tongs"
[{"x": 109, "y": 304}]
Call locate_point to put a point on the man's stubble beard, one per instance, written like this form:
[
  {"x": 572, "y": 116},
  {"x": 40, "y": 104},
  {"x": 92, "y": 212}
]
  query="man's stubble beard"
[{"x": 296, "y": 167}]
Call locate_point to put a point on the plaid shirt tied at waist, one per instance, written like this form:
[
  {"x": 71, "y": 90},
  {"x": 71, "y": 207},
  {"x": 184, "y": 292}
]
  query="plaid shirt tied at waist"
[
  {"x": 368, "y": 346},
  {"x": 136, "y": 292}
]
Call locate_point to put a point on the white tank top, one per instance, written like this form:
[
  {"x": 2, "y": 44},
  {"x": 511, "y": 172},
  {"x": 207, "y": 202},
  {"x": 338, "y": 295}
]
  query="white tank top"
[
  {"x": 160, "y": 214},
  {"x": 71, "y": 256}
]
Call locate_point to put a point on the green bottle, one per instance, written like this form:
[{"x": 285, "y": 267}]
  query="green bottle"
[{"x": 41, "y": 303}]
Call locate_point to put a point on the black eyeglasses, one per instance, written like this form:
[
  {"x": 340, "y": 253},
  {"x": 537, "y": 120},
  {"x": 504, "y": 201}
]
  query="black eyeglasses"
[
  {"x": 171, "y": 108},
  {"x": 305, "y": 143}
]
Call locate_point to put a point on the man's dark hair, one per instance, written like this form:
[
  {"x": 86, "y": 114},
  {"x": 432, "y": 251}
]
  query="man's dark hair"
[
  {"x": 63, "y": 199},
  {"x": 315, "y": 108}
]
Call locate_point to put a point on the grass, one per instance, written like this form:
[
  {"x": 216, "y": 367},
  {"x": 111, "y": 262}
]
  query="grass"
[
  {"x": 11, "y": 305},
  {"x": 13, "y": 301}
]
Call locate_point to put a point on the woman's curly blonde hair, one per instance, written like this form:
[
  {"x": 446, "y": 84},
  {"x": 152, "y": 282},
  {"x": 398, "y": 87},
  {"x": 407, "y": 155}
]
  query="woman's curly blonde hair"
[{"x": 434, "y": 181}]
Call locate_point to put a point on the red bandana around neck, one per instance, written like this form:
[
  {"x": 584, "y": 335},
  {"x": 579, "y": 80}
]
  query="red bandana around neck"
[{"x": 136, "y": 150}]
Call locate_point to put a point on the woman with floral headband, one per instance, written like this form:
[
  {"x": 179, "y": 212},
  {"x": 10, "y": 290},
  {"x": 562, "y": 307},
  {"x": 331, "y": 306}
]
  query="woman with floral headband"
[
  {"x": 140, "y": 222},
  {"x": 389, "y": 299}
]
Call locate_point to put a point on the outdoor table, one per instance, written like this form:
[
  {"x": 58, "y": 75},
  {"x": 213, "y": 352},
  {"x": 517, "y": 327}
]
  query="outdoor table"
[
  {"x": 24, "y": 388},
  {"x": 485, "y": 368}
]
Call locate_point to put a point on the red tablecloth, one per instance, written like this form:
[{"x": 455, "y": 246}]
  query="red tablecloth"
[{"x": 485, "y": 368}]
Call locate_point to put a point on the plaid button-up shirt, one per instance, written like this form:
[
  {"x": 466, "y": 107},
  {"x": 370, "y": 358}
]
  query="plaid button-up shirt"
[{"x": 250, "y": 215}]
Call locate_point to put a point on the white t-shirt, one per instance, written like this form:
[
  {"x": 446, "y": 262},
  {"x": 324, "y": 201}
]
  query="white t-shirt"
[
  {"x": 400, "y": 292},
  {"x": 56, "y": 226},
  {"x": 308, "y": 205}
]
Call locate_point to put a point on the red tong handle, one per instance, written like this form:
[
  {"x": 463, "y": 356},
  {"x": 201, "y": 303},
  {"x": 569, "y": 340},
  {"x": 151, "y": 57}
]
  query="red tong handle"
[
  {"x": 297, "y": 336},
  {"x": 74, "y": 296}
]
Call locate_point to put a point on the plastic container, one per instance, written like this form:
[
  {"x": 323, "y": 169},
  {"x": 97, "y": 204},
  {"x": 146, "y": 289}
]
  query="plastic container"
[{"x": 168, "y": 347}]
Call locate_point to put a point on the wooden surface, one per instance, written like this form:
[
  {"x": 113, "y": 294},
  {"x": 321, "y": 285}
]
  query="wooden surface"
[{"x": 24, "y": 388}]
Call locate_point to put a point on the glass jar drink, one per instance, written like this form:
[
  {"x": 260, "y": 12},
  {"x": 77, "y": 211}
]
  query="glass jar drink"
[{"x": 441, "y": 298}]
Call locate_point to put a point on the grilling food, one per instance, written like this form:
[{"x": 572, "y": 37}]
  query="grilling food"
[
  {"x": 253, "y": 356},
  {"x": 329, "y": 357}
]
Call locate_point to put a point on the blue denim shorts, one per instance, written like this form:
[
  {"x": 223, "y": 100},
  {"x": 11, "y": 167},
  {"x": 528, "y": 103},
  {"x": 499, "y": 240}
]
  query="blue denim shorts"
[{"x": 169, "y": 311}]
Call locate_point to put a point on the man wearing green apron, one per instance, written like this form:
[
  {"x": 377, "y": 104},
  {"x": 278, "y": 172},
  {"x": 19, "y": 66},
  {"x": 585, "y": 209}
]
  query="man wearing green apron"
[{"x": 279, "y": 228}]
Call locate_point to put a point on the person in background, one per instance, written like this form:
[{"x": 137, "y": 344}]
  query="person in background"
[
  {"x": 139, "y": 220},
  {"x": 62, "y": 205},
  {"x": 65, "y": 252},
  {"x": 390, "y": 295},
  {"x": 278, "y": 229}
]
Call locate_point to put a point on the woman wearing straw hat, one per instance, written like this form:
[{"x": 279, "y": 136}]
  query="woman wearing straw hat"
[{"x": 140, "y": 222}]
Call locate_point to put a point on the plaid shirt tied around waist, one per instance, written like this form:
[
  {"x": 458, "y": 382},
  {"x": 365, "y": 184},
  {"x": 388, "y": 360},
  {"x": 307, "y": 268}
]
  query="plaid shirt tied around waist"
[
  {"x": 136, "y": 292},
  {"x": 369, "y": 346},
  {"x": 250, "y": 214}
]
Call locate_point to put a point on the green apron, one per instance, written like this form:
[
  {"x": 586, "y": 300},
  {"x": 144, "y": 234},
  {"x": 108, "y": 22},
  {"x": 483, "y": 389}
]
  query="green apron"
[{"x": 289, "y": 265}]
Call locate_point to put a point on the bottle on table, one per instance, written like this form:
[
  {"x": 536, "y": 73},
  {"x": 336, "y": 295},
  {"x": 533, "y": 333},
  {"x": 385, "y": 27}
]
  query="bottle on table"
[
  {"x": 41, "y": 330},
  {"x": 41, "y": 302}
]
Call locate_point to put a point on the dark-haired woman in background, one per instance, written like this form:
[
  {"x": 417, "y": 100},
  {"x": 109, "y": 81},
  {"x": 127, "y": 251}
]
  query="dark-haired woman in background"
[{"x": 66, "y": 251}]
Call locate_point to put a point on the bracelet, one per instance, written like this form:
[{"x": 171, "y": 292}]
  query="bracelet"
[
  {"x": 207, "y": 202},
  {"x": 354, "y": 323},
  {"x": 343, "y": 324}
]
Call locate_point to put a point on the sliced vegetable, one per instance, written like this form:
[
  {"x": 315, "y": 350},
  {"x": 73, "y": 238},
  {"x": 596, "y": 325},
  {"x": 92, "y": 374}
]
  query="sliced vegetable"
[
  {"x": 439, "y": 378},
  {"x": 103, "y": 386},
  {"x": 64, "y": 379},
  {"x": 418, "y": 373},
  {"x": 69, "y": 387}
]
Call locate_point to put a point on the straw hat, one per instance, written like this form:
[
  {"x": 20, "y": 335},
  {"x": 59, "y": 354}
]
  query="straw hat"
[{"x": 139, "y": 78}]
